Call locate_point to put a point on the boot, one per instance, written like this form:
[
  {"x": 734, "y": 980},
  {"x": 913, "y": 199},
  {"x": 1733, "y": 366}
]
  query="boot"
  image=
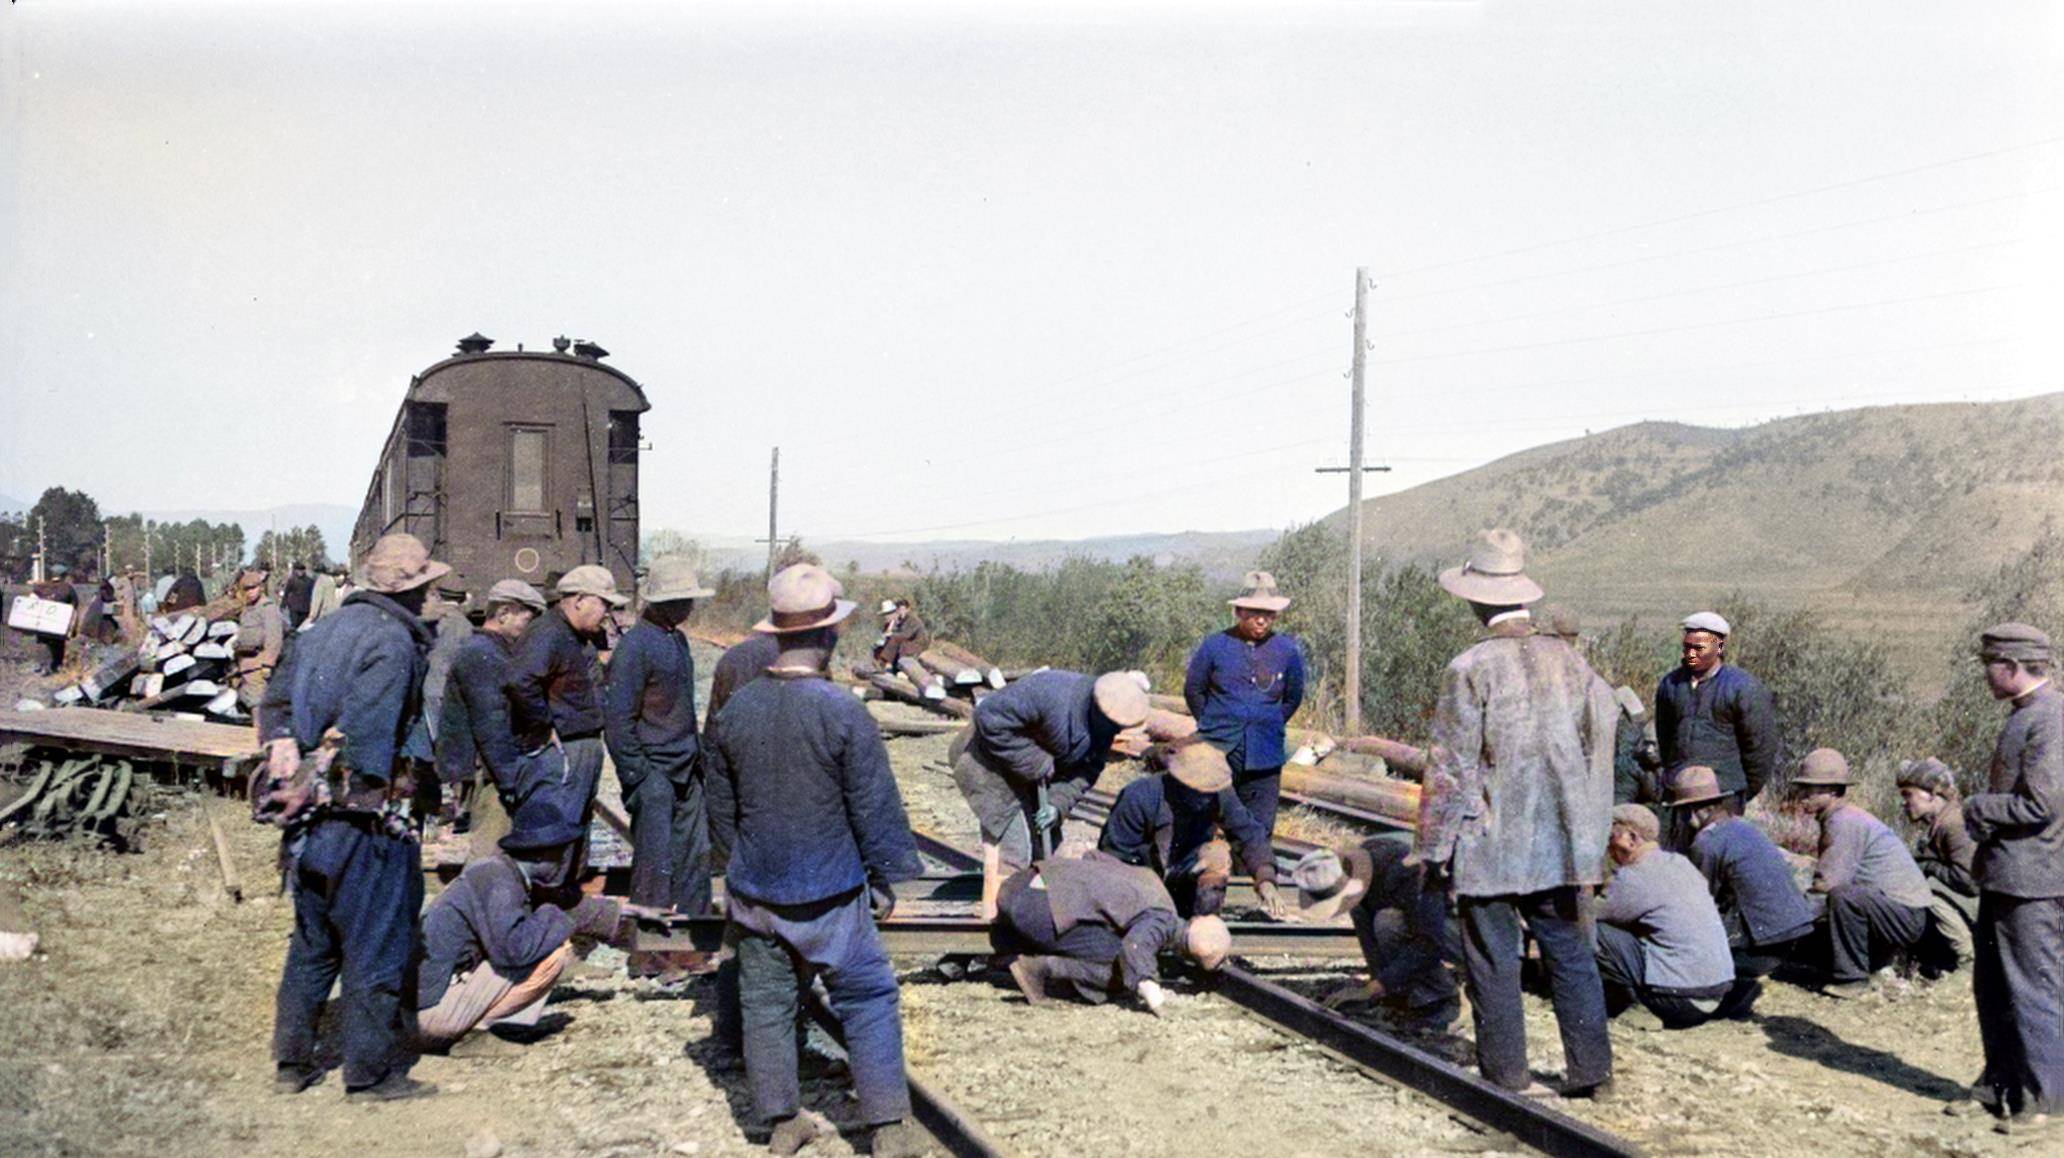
[
  {"x": 792, "y": 1134},
  {"x": 1030, "y": 973},
  {"x": 899, "y": 1139}
]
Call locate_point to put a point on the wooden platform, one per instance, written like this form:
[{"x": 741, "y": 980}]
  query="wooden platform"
[{"x": 130, "y": 734}]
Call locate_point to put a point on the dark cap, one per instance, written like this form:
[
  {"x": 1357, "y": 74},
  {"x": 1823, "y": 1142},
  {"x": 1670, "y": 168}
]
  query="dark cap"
[{"x": 2015, "y": 641}]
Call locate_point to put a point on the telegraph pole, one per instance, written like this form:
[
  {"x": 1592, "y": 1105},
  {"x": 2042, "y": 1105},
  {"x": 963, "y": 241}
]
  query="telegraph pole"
[
  {"x": 1354, "y": 471},
  {"x": 773, "y": 500}
]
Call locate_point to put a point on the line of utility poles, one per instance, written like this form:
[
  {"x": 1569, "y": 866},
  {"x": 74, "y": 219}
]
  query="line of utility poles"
[{"x": 1354, "y": 471}]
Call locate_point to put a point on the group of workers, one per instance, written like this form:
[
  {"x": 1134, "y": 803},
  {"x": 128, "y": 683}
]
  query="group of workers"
[{"x": 787, "y": 791}]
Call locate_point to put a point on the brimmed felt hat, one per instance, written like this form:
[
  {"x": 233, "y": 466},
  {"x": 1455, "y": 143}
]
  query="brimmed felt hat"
[
  {"x": 592, "y": 579},
  {"x": 1696, "y": 784},
  {"x": 518, "y": 592},
  {"x": 888, "y": 607},
  {"x": 1330, "y": 883},
  {"x": 1711, "y": 622},
  {"x": 1495, "y": 573},
  {"x": 673, "y": 577},
  {"x": 1122, "y": 697},
  {"x": 400, "y": 562},
  {"x": 1561, "y": 621},
  {"x": 1199, "y": 767},
  {"x": 1637, "y": 819},
  {"x": 541, "y": 823},
  {"x": 1927, "y": 774},
  {"x": 2015, "y": 641},
  {"x": 1258, "y": 592},
  {"x": 802, "y": 598},
  {"x": 1823, "y": 766}
]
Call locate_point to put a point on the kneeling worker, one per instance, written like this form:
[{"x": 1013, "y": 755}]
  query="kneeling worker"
[
  {"x": 1167, "y": 822},
  {"x": 1410, "y": 937},
  {"x": 1097, "y": 925},
  {"x": 1877, "y": 899},
  {"x": 1766, "y": 916},
  {"x": 1660, "y": 940}
]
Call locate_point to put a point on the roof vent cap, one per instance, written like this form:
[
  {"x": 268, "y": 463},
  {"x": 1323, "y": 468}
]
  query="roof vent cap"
[
  {"x": 562, "y": 343},
  {"x": 475, "y": 343},
  {"x": 587, "y": 349}
]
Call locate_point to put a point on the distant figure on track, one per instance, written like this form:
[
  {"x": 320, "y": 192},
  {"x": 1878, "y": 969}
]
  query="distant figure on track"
[
  {"x": 1712, "y": 713},
  {"x": 1877, "y": 899},
  {"x": 1243, "y": 685},
  {"x": 1516, "y": 807},
  {"x": 903, "y": 636}
]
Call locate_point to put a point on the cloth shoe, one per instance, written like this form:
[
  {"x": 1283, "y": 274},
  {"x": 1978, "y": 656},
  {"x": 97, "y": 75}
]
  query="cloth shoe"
[
  {"x": 395, "y": 1087},
  {"x": 1601, "y": 1092},
  {"x": 1846, "y": 990},
  {"x": 484, "y": 1044},
  {"x": 899, "y": 1140},
  {"x": 2024, "y": 1125},
  {"x": 291, "y": 1079},
  {"x": 792, "y": 1134},
  {"x": 1741, "y": 1000},
  {"x": 1641, "y": 1018}
]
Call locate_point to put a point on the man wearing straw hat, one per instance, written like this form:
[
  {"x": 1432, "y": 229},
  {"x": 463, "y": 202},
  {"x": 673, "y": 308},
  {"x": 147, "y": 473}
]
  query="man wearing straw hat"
[
  {"x": 346, "y": 699},
  {"x": 1167, "y": 822},
  {"x": 648, "y": 717},
  {"x": 1402, "y": 918},
  {"x": 1242, "y": 686},
  {"x": 1877, "y": 899},
  {"x": 1516, "y": 807},
  {"x": 801, "y": 792}
]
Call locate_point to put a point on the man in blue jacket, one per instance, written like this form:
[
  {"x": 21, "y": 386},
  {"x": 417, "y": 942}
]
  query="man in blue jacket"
[
  {"x": 1243, "y": 685},
  {"x": 475, "y": 730},
  {"x": 1711, "y": 713},
  {"x": 554, "y": 697},
  {"x": 648, "y": 716},
  {"x": 1167, "y": 822},
  {"x": 801, "y": 792},
  {"x": 1766, "y": 916},
  {"x": 336, "y": 717}
]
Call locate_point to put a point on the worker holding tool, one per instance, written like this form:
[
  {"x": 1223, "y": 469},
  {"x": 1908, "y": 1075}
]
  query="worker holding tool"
[
  {"x": 1169, "y": 822},
  {"x": 1053, "y": 729}
]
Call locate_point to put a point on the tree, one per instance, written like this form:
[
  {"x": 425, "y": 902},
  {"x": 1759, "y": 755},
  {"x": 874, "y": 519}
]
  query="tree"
[
  {"x": 294, "y": 545},
  {"x": 668, "y": 541},
  {"x": 70, "y": 525}
]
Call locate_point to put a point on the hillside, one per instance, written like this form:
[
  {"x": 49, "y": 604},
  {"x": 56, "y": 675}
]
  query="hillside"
[
  {"x": 1222, "y": 554},
  {"x": 1882, "y": 517}
]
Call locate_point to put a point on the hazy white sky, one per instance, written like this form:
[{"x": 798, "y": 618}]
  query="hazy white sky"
[{"x": 994, "y": 272}]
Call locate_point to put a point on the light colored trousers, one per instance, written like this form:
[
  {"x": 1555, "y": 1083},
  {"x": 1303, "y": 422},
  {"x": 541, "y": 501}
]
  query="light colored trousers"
[{"x": 481, "y": 996}]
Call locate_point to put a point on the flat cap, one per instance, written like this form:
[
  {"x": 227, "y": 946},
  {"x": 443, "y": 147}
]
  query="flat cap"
[
  {"x": 518, "y": 592},
  {"x": 2013, "y": 641},
  {"x": 1638, "y": 820},
  {"x": 1707, "y": 621}
]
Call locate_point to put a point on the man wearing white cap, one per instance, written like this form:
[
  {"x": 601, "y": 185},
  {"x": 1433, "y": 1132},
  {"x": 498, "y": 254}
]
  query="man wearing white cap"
[
  {"x": 903, "y": 636},
  {"x": 1243, "y": 684},
  {"x": 1713, "y": 714},
  {"x": 555, "y": 700},
  {"x": 802, "y": 796}
]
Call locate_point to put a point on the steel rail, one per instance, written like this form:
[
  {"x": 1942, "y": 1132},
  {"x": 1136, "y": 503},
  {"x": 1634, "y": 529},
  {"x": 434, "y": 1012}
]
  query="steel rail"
[{"x": 955, "y": 1131}]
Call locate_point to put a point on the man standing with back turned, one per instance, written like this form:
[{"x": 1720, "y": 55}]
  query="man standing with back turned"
[{"x": 1516, "y": 808}]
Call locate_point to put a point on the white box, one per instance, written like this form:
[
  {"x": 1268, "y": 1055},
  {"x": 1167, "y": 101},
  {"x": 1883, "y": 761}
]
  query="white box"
[{"x": 45, "y": 616}]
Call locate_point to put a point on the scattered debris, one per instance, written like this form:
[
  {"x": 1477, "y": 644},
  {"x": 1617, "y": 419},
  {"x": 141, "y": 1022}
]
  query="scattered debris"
[{"x": 91, "y": 796}]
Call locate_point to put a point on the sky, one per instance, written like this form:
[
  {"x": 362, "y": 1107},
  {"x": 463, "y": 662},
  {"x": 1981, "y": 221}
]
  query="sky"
[{"x": 985, "y": 271}]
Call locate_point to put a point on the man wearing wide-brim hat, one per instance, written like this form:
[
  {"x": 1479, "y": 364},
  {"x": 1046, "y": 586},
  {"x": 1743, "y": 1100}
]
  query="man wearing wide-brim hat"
[
  {"x": 1766, "y": 916},
  {"x": 2018, "y": 822},
  {"x": 1877, "y": 899},
  {"x": 1516, "y": 805},
  {"x": 1410, "y": 939},
  {"x": 805, "y": 808},
  {"x": 343, "y": 703},
  {"x": 1242, "y": 686},
  {"x": 1031, "y": 752},
  {"x": 648, "y": 717},
  {"x": 1710, "y": 712},
  {"x": 1168, "y": 822}
]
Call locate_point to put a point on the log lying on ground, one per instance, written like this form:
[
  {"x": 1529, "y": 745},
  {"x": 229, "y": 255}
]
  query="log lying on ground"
[
  {"x": 1396, "y": 799},
  {"x": 1402, "y": 757},
  {"x": 960, "y": 665},
  {"x": 895, "y": 689},
  {"x": 918, "y": 727}
]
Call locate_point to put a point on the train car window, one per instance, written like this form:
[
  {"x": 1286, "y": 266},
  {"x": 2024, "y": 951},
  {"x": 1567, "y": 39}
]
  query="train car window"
[
  {"x": 526, "y": 469},
  {"x": 426, "y": 429},
  {"x": 623, "y": 438}
]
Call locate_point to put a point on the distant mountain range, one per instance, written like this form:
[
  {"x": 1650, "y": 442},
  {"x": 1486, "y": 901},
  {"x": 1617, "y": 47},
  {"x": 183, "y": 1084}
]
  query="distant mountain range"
[{"x": 1222, "y": 554}]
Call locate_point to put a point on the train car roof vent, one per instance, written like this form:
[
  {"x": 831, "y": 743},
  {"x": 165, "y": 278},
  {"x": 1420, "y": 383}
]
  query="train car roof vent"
[
  {"x": 562, "y": 343},
  {"x": 587, "y": 349},
  {"x": 475, "y": 343}
]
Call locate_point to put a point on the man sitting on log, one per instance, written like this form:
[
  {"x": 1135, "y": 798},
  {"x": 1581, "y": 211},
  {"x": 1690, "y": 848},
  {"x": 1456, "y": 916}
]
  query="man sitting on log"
[
  {"x": 1765, "y": 914},
  {"x": 903, "y": 637},
  {"x": 1877, "y": 899},
  {"x": 1168, "y": 822},
  {"x": 1097, "y": 926},
  {"x": 1410, "y": 938},
  {"x": 1660, "y": 940}
]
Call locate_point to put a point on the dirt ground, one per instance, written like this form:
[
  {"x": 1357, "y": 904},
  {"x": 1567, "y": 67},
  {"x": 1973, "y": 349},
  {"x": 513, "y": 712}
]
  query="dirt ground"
[{"x": 143, "y": 1027}]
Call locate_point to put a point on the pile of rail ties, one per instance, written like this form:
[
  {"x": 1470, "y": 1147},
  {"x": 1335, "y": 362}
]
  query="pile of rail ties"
[
  {"x": 57, "y": 795},
  {"x": 183, "y": 667}
]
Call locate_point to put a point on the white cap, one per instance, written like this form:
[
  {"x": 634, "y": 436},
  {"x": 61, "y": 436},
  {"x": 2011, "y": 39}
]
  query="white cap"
[{"x": 1706, "y": 621}]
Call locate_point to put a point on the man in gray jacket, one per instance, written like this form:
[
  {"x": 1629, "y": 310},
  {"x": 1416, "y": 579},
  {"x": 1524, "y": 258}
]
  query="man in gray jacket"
[
  {"x": 1660, "y": 939},
  {"x": 1516, "y": 805},
  {"x": 2018, "y": 822},
  {"x": 1877, "y": 899}
]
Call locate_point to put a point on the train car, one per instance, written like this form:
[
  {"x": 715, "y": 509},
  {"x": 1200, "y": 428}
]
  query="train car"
[{"x": 513, "y": 464}]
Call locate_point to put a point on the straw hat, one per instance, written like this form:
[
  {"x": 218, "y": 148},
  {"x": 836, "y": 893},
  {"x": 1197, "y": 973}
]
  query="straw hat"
[
  {"x": 400, "y": 562},
  {"x": 518, "y": 592},
  {"x": 673, "y": 577},
  {"x": 888, "y": 607},
  {"x": 1495, "y": 573},
  {"x": 1200, "y": 767},
  {"x": 1122, "y": 697},
  {"x": 592, "y": 579},
  {"x": 1258, "y": 592},
  {"x": 802, "y": 598},
  {"x": 1696, "y": 784},
  {"x": 1329, "y": 884},
  {"x": 1823, "y": 766}
]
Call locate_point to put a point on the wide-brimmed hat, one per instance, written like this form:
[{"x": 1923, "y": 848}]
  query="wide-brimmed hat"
[
  {"x": 1927, "y": 774},
  {"x": 2015, "y": 641},
  {"x": 518, "y": 592},
  {"x": 1696, "y": 784},
  {"x": 592, "y": 579},
  {"x": 541, "y": 823},
  {"x": 1330, "y": 883},
  {"x": 1495, "y": 573},
  {"x": 673, "y": 577},
  {"x": 1198, "y": 766},
  {"x": 1122, "y": 697},
  {"x": 1258, "y": 592},
  {"x": 400, "y": 562},
  {"x": 888, "y": 607},
  {"x": 802, "y": 598},
  {"x": 1823, "y": 766}
]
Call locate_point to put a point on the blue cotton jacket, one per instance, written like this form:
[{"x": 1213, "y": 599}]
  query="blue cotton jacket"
[
  {"x": 1728, "y": 723},
  {"x": 359, "y": 671},
  {"x": 485, "y": 917},
  {"x": 648, "y": 704},
  {"x": 801, "y": 794},
  {"x": 1045, "y": 727},
  {"x": 1752, "y": 884},
  {"x": 475, "y": 726},
  {"x": 1159, "y": 823},
  {"x": 554, "y": 689},
  {"x": 1242, "y": 694}
]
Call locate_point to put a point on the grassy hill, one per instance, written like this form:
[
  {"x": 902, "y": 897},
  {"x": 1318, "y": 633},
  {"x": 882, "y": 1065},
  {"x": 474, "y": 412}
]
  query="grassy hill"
[{"x": 1881, "y": 519}]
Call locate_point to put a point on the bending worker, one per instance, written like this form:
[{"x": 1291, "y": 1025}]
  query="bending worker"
[
  {"x": 1410, "y": 939},
  {"x": 1168, "y": 822},
  {"x": 1243, "y": 685},
  {"x": 1766, "y": 917},
  {"x": 1660, "y": 940},
  {"x": 1034, "y": 748}
]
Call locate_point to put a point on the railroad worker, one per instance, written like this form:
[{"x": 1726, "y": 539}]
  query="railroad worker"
[
  {"x": 1660, "y": 939},
  {"x": 2018, "y": 823},
  {"x": 648, "y": 715},
  {"x": 1636, "y": 760},
  {"x": 334, "y": 721},
  {"x": 1516, "y": 805},
  {"x": 297, "y": 596},
  {"x": 1711, "y": 713},
  {"x": 1033, "y": 749},
  {"x": 1168, "y": 822},
  {"x": 185, "y": 594},
  {"x": 802, "y": 794},
  {"x": 1403, "y": 919},
  {"x": 1946, "y": 854},
  {"x": 261, "y": 633},
  {"x": 1242, "y": 687},
  {"x": 58, "y": 589},
  {"x": 1766, "y": 916},
  {"x": 475, "y": 730},
  {"x": 1097, "y": 926},
  {"x": 490, "y": 954},
  {"x": 325, "y": 597},
  {"x": 555, "y": 704},
  {"x": 903, "y": 637},
  {"x": 1877, "y": 899}
]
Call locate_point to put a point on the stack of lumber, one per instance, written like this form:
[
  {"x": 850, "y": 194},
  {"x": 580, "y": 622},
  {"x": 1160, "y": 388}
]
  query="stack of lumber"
[{"x": 186, "y": 665}]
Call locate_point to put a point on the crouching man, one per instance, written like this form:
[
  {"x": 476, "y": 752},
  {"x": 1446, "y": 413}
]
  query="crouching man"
[
  {"x": 1660, "y": 940},
  {"x": 1098, "y": 926},
  {"x": 1877, "y": 899},
  {"x": 1410, "y": 937}
]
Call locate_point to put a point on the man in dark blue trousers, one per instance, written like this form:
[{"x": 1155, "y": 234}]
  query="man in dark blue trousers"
[
  {"x": 1243, "y": 685},
  {"x": 1711, "y": 713},
  {"x": 802, "y": 794},
  {"x": 1168, "y": 823},
  {"x": 337, "y": 716}
]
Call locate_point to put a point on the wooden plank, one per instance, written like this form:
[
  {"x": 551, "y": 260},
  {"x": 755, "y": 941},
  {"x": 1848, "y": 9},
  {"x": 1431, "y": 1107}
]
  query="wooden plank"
[{"x": 128, "y": 734}]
